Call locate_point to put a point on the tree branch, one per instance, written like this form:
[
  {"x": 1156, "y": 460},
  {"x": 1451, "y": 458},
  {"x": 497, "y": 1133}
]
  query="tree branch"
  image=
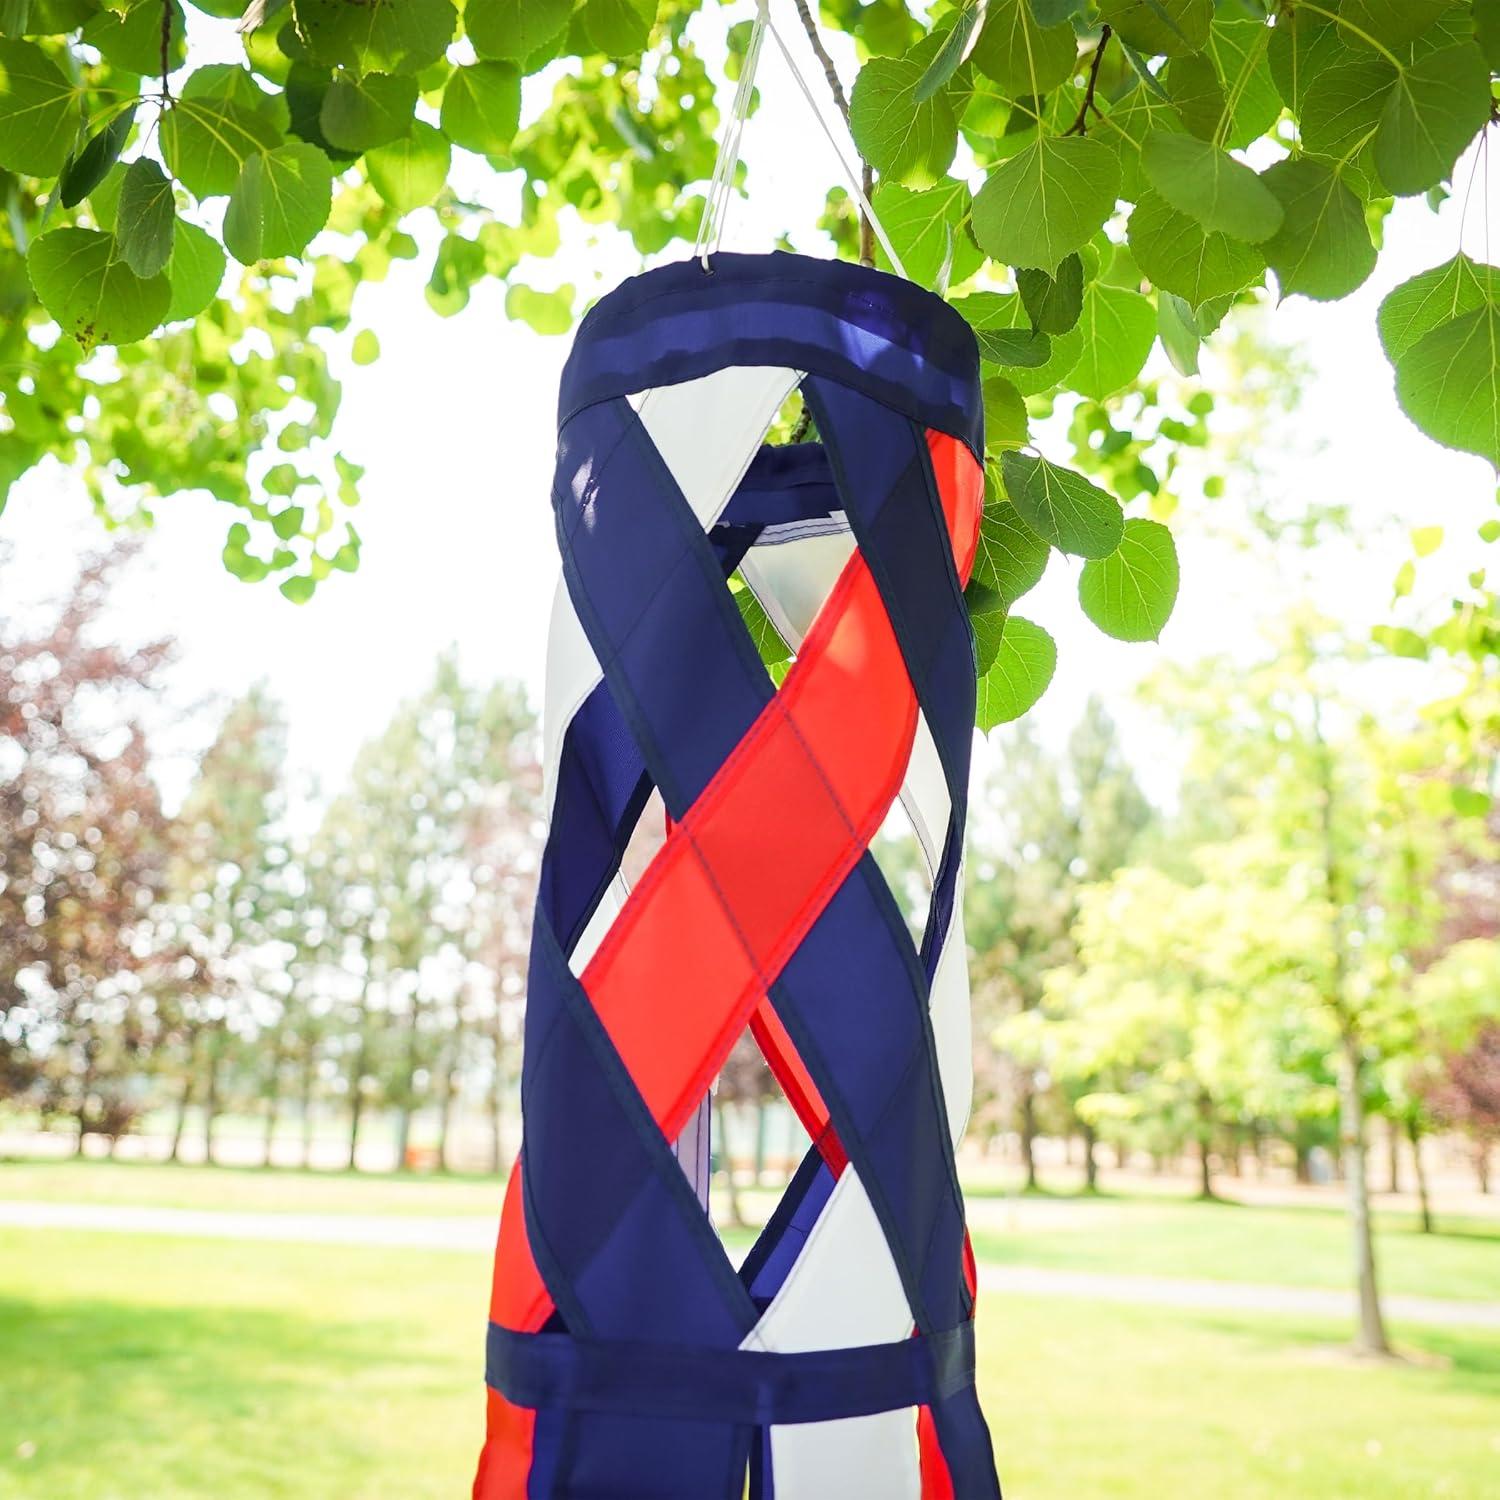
[
  {"x": 867, "y": 176},
  {"x": 166, "y": 49},
  {"x": 1081, "y": 124}
]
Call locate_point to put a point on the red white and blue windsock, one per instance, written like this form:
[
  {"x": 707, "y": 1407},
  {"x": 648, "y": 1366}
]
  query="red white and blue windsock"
[{"x": 627, "y": 1355}]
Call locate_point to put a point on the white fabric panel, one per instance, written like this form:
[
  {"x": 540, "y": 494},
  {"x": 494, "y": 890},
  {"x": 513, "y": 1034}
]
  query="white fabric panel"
[
  {"x": 572, "y": 671},
  {"x": 708, "y": 430},
  {"x": 843, "y": 1292}
]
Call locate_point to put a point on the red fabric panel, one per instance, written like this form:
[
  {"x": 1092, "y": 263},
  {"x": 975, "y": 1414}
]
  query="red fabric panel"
[{"x": 505, "y": 1460}]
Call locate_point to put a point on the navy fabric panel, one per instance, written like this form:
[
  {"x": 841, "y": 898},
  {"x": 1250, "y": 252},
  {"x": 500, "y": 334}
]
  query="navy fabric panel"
[
  {"x": 784, "y": 484},
  {"x": 633, "y": 1255},
  {"x": 855, "y": 1003},
  {"x": 965, "y": 1439},
  {"x": 781, "y": 1241},
  {"x": 601, "y": 789},
  {"x": 606, "y": 1456},
  {"x": 745, "y": 1386},
  {"x": 891, "y": 337},
  {"x": 650, "y": 593}
]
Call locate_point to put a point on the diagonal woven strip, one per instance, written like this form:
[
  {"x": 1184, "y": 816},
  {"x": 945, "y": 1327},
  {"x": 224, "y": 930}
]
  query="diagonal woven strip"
[{"x": 629, "y": 1357}]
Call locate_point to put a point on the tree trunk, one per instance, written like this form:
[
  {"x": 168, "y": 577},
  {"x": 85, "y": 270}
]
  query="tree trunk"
[
  {"x": 1371, "y": 1338},
  {"x": 448, "y": 1096},
  {"x": 1414, "y": 1132},
  {"x": 308, "y": 1081},
  {"x": 210, "y": 1097},
  {"x": 357, "y": 1091},
  {"x": 1028, "y": 1133},
  {"x": 497, "y": 1094},
  {"x": 273, "y": 1099},
  {"x": 736, "y": 1213},
  {"x": 1482, "y": 1165},
  {"x": 409, "y": 1088},
  {"x": 761, "y": 1125},
  {"x": 184, "y": 1100},
  {"x": 1090, "y": 1161},
  {"x": 1393, "y": 1156},
  {"x": 1205, "y": 1145},
  {"x": 1302, "y": 1171}
]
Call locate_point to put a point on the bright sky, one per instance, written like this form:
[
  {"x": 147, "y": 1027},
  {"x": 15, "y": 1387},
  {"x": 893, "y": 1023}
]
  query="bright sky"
[{"x": 454, "y": 424}]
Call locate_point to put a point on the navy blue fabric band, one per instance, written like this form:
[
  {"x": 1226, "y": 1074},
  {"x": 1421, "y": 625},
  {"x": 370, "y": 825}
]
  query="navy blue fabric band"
[
  {"x": 891, "y": 338},
  {"x": 738, "y": 1386}
]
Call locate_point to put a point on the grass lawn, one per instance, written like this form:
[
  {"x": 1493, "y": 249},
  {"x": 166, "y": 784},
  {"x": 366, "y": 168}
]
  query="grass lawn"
[
  {"x": 141, "y": 1367},
  {"x": 1153, "y": 1236}
]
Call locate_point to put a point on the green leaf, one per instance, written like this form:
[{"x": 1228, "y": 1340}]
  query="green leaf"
[
  {"x": 482, "y": 107},
  {"x": 1197, "y": 93},
  {"x": 207, "y": 140},
  {"x": 986, "y": 611},
  {"x": 132, "y": 41},
  {"x": 83, "y": 282},
  {"x": 1302, "y": 45},
  {"x": 1393, "y": 23},
  {"x": 38, "y": 111},
  {"x": 1005, "y": 418},
  {"x": 1130, "y": 593},
  {"x": 1487, "y": 30},
  {"x": 1024, "y": 664},
  {"x": 926, "y": 229},
  {"x": 546, "y": 312},
  {"x": 910, "y": 141},
  {"x": 1177, "y": 254},
  {"x": 1344, "y": 109},
  {"x": 1435, "y": 109},
  {"x": 1178, "y": 330},
  {"x": 945, "y": 63},
  {"x": 618, "y": 28},
  {"x": 195, "y": 271},
  {"x": 1036, "y": 362},
  {"x": 1323, "y": 248},
  {"x": 1053, "y": 302},
  {"x": 281, "y": 201},
  {"x": 1061, "y": 506},
  {"x": 15, "y": 19},
  {"x": 1167, "y": 27},
  {"x": 357, "y": 113},
  {"x": 1023, "y": 57},
  {"x": 410, "y": 173},
  {"x": 1240, "y": 51},
  {"x": 376, "y": 36},
  {"x": 1448, "y": 383},
  {"x": 514, "y": 29},
  {"x": 1011, "y": 557},
  {"x": 1119, "y": 328},
  {"x": 1209, "y": 185},
  {"x": 1046, "y": 201},
  {"x": 146, "y": 217},
  {"x": 769, "y": 645},
  {"x": 366, "y": 349},
  {"x": 88, "y": 169},
  {"x": 1446, "y": 292}
]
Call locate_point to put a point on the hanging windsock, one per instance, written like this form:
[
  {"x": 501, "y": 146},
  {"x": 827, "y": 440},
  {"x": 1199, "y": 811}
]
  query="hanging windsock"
[{"x": 627, "y": 1355}]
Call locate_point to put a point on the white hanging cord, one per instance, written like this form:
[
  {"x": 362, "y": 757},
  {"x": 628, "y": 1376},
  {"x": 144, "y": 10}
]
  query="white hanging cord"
[
  {"x": 721, "y": 187},
  {"x": 849, "y": 173}
]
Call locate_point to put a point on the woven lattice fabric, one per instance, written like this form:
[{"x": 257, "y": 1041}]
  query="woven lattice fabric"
[{"x": 628, "y": 1356}]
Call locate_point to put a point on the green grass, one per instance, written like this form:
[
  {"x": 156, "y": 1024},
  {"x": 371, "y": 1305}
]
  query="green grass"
[
  {"x": 1308, "y": 1246},
  {"x": 146, "y": 1366},
  {"x": 247, "y": 1189}
]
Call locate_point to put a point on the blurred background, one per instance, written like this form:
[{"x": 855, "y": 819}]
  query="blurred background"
[{"x": 1233, "y": 918}]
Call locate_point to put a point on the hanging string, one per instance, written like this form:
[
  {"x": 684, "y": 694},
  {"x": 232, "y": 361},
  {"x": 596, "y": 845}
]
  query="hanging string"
[{"x": 721, "y": 187}]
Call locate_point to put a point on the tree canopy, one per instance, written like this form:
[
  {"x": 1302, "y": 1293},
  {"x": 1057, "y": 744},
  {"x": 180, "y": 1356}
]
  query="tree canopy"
[{"x": 193, "y": 198}]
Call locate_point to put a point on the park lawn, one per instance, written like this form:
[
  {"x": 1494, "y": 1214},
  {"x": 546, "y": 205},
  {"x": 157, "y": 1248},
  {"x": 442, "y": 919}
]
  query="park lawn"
[
  {"x": 248, "y": 1189},
  {"x": 1300, "y": 1246},
  {"x": 146, "y": 1366},
  {"x": 1149, "y": 1235}
]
